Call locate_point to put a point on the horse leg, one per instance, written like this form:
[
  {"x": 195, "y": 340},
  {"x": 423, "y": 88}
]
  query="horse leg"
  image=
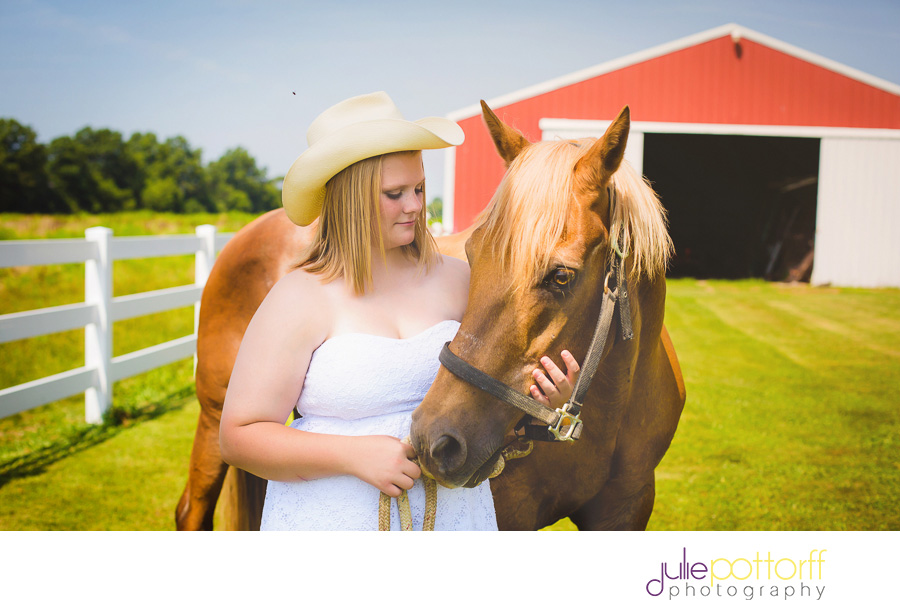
[
  {"x": 619, "y": 506},
  {"x": 207, "y": 472}
]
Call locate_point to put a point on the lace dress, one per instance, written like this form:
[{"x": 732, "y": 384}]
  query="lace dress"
[{"x": 361, "y": 384}]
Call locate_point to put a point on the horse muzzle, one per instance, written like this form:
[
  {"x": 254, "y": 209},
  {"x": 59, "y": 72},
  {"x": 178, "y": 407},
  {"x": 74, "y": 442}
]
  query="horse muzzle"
[{"x": 447, "y": 457}]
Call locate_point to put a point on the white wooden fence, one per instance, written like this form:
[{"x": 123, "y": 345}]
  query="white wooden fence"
[{"x": 100, "y": 310}]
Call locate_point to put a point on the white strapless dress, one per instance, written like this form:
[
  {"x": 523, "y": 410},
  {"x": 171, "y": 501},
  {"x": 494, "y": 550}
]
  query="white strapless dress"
[{"x": 361, "y": 384}]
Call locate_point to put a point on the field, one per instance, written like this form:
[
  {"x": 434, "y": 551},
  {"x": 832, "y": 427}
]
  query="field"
[
  {"x": 793, "y": 413},
  {"x": 792, "y": 420}
]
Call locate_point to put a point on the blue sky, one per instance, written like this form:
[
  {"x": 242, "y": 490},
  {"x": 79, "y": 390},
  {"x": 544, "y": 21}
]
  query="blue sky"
[{"x": 254, "y": 74}]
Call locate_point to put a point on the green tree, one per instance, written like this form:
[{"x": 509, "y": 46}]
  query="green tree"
[
  {"x": 435, "y": 210},
  {"x": 174, "y": 177},
  {"x": 237, "y": 183},
  {"x": 93, "y": 171},
  {"x": 24, "y": 186},
  {"x": 96, "y": 170}
]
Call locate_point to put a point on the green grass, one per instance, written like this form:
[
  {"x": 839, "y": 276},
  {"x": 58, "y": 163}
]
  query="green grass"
[
  {"x": 792, "y": 419},
  {"x": 61, "y": 474},
  {"x": 793, "y": 411}
]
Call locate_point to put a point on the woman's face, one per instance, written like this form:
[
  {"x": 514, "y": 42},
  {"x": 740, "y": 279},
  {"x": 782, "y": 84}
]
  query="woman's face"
[{"x": 402, "y": 197}]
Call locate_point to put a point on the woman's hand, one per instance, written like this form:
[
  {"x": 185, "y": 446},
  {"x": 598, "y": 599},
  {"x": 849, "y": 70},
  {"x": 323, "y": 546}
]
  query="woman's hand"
[
  {"x": 385, "y": 462},
  {"x": 555, "y": 390}
]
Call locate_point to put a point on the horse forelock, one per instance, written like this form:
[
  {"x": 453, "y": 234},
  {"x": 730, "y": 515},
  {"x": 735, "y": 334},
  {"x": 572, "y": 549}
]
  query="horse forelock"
[{"x": 529, "y": 214}]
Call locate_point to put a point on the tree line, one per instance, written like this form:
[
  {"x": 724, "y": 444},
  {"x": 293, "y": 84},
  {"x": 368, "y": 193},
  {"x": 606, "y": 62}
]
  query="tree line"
[{"x": 99, "y": 171}]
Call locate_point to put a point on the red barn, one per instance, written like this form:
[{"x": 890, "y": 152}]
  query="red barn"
[{"x": 766, "y": 156}]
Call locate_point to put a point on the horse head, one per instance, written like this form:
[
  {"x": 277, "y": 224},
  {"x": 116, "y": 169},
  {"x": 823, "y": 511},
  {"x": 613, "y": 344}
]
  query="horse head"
[{"x": 539, "y": 257}]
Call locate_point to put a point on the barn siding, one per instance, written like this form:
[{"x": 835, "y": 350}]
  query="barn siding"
[
  {"x": 858, "y": 214},
  {"x": 760, "y": 85},
  {"x": 478, "y": 172},
  {"x": 709, "y": 82}
]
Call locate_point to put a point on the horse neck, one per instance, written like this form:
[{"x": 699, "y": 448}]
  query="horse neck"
[
  {"x": 455, "y": 244},
  {"x": 618, "y": 369}
]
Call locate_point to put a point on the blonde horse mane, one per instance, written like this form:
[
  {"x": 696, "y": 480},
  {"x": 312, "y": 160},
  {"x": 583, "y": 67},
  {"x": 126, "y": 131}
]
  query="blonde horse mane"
[{"x": 527, "y": 217}]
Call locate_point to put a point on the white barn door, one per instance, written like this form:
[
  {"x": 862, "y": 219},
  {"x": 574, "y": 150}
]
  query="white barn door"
[{"x": 858, "y": 213}]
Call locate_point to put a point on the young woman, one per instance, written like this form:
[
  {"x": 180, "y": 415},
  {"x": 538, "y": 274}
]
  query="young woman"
[{"x": 351, "y": 337}]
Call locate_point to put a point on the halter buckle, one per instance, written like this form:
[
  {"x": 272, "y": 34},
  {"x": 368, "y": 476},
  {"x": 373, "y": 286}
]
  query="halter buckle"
[{"x": 566, "y": 425}]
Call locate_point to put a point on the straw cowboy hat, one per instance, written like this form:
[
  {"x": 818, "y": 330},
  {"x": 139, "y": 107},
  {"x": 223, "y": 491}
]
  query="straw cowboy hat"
[{"x": 348, "y": 132}]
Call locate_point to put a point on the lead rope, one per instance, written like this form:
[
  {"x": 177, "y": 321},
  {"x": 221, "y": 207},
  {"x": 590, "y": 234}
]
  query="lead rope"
[
  {"x": 384, "y": 501},
  {"x": 384, "y": 506}
]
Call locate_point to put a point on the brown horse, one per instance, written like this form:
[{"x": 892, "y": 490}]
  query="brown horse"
[{"x": 538, "y": 256}]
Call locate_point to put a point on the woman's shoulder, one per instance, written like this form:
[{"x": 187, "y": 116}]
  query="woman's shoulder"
[
  {"x": 297, "y": 285},
  {"x": 448, "y": 287},
  {"x": 297, "y": 301},
  {"x": 453, "y": 271}
]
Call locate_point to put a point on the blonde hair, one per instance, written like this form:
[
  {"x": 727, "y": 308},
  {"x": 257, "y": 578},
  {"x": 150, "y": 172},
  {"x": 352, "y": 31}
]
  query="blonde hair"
[
  {"x": 349, "y": 227},
  {"x": 527, "y": 217}
]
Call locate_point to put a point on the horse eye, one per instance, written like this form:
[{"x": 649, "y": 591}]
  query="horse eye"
[{"x": 560, "y": 279}]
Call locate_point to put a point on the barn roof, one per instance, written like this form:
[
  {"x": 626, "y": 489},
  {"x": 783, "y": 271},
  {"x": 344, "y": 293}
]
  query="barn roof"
[{"x": 786, "y": 71}]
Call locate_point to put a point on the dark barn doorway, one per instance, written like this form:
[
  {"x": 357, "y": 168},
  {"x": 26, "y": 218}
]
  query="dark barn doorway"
[{"x": 738, "y": 206}]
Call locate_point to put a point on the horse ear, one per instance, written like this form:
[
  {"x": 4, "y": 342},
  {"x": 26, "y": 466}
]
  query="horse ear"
[
  {"x": 508, "y": 141},
  {"x": 606, "y": 154}
]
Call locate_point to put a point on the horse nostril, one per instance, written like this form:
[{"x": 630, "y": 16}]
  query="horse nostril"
[{"x": 449, "y": 454}]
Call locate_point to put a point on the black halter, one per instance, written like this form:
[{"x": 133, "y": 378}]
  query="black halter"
[{"x": 562, "y": 424}]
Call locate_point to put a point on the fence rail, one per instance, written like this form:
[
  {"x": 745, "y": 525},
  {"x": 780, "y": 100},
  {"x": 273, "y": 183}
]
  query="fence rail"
[
  {"x": 46, "y": 252},
  {"x": 100, "y": 310}
]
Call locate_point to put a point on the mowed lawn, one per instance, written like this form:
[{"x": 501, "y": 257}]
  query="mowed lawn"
[{"x": 792, "y": 420}]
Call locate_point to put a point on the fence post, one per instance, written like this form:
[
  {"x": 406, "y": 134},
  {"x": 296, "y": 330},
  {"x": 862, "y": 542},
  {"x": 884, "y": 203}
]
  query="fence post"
[
  {"x": 98, "y": 336},
  {"x": 203, "y": 262}
]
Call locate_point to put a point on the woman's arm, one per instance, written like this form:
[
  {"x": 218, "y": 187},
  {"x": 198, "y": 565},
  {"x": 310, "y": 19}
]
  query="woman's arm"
[{"x": 265, "y": 384}]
